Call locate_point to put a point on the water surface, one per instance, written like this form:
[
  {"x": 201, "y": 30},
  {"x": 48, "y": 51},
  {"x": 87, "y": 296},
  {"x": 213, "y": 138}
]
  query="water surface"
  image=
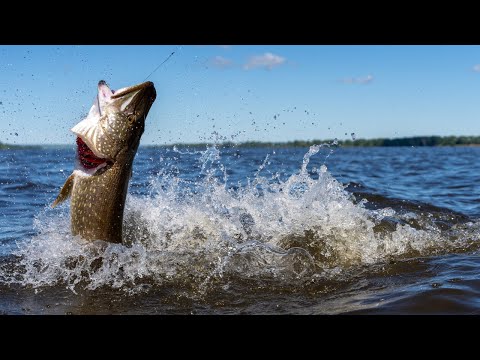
[{"x": 251, "y": 231}]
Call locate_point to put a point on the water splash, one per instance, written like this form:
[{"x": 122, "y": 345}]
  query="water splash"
[{"x": 198, "y": 233}]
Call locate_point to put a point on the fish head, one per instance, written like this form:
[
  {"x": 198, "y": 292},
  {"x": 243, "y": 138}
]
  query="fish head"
[{"x": 116, "y": 120}]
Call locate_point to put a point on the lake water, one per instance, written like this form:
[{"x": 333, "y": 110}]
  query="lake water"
[{"x": 251, "y": 231}]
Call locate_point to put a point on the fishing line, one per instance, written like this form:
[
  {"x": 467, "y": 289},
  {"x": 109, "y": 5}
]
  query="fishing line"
[{"x": 164, "y": 61}]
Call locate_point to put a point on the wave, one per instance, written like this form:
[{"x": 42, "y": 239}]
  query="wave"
[{"x": 200, "y": 232}]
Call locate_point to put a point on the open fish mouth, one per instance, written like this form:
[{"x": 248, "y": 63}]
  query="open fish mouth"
[{"x": 86, "y": 156}]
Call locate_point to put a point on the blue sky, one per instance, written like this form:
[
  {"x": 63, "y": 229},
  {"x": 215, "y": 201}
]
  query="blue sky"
[{"x": 240, "y": 92}]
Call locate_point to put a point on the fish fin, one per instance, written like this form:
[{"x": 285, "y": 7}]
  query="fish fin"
[{"x": 65, "y": 192}]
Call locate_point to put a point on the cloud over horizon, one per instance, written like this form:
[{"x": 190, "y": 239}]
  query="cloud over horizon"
[
  {"x": 220, "y": 62},
  {"x": 358, "y": 80},
  {"x": 267, "y": 61}
]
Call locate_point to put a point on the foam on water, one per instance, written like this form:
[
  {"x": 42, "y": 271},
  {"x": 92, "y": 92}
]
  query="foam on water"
[{"x": 194, "y": 233}]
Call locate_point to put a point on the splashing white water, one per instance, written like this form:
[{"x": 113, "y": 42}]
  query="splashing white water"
[{"x": 287, "y": 230}]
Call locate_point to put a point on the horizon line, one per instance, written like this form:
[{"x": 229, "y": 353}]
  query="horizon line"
[{"x": 269, "y": 142}]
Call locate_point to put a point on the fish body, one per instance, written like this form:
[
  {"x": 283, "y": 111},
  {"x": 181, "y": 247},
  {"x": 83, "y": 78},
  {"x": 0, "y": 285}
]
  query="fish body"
[{"x": 107, "y": 142}]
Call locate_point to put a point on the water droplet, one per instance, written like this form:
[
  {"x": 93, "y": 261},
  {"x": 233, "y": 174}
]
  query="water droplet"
[{"x": 354, "y": 136}]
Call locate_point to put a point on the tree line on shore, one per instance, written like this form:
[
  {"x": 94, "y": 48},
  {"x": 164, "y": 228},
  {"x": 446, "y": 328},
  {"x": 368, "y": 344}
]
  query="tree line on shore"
[
  {"x": 406, "y": 141},
  {"x": 10, "y": 146},
  {"x": 382, "y": 142}
]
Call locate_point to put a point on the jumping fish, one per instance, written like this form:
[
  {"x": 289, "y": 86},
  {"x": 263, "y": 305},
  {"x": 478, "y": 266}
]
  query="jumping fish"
[{"x": 107, "y": 141}]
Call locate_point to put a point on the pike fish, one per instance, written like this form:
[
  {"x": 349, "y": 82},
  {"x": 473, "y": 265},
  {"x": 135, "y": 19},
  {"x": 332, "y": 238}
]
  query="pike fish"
[{"x": 107, "y": 141}]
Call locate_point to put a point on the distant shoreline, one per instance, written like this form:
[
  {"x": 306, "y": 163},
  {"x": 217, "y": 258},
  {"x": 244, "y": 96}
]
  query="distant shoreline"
[
  {"x": 19, "y": 147},
  {"x": 416, "y": 141}
]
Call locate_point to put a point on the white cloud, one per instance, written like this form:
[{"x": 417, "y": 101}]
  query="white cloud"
[
  {"x": 358, "y": 80},
  {"x": 267, "y": 61},
  {"x": 476, "y": 68},
  {"x": 220, "y": 62}
]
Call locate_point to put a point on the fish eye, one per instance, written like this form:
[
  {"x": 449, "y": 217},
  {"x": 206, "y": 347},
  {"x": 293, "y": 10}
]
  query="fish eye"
[{"x": 131, "y": 118}]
